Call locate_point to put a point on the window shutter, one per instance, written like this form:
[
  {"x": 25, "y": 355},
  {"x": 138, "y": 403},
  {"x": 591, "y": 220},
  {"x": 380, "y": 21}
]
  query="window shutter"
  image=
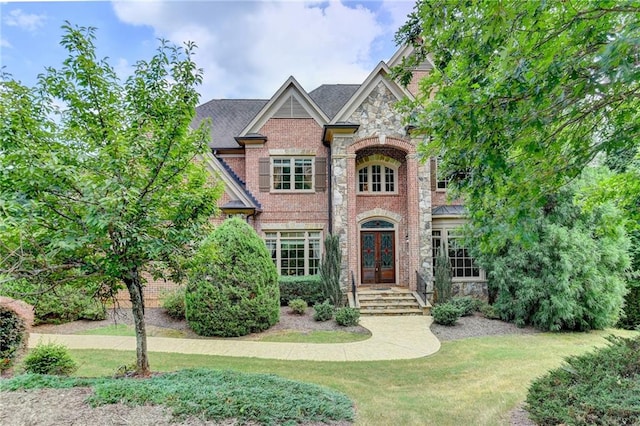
[
  {"x": 321, "y": 174},
  {"x": 433, "y": 164},
  {"x": 264, "y": 172}
]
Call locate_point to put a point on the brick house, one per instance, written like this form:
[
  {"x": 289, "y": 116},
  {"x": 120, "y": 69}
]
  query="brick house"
[{"x": 338, "y": 160}]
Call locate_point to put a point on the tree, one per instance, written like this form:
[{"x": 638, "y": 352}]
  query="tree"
[
  {"x": 100, "y": 178},
  {"x": 522, "y": 97},
  {"x": 330, "y": 270}
]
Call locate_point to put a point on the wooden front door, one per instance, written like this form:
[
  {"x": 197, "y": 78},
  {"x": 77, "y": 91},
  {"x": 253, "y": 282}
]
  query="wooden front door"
[{"x": 377, "y": 256}]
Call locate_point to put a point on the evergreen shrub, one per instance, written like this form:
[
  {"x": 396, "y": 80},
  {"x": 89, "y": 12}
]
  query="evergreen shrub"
[
  {"x": 62, "y": 303},
  {"x": 298, "y": 306},
  {"x": 12, "y": 337},
  {"x": 467, "y": 305},
  {"x": 323, "y": 311},
  {"x": 446, "y": 313},
  {"x": 599, "y": 388},
  {"x": 173, "y": 303},
  {"x": 306, "y": 287},
  {"x": 631, "y": 317},
  {"x": 347, "y": 317},
  {"x": 331, "y": 269},
  {"x": 50, "y": 358},
  {"x": 232, "y": 285}
]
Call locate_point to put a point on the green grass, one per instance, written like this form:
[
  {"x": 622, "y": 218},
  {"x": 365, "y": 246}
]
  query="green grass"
[
  {"x": 128, "y": 330},
  {"x": 473, "y": 381},
  {"x": 315, "y": 337}
]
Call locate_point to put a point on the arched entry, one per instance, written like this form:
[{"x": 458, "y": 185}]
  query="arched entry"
[{"x": 377, "y": 252}]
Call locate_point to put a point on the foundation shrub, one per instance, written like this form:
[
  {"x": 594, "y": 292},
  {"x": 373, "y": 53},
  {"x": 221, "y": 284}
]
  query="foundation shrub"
[
  {"x": 306, "y": 288},
  {"x": 446, "y": 313},
  {"x": 56, "y": 304},
  {"x": 600, "y": 388},
  {"x": 173, "y": 303},
  {"x": 467, "y": 305},
  {"x": 50, "y": 358},
  {"x": 347, "y": 317},
  {"x": 298, "y": 306},
  {"x": 232, "y": 285},
  {"x": 13, "y": 337},
  {"x": 323, "y": 311},
  {"x": 487, "y": 310}
]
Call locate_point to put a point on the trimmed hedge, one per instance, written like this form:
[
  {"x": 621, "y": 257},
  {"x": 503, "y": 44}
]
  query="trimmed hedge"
[
  {"x": 50, "y": 358},
  {"x": 233, "y": 284},
  {"x": 12, "y": 337},
  {"x": 307, "y": 288},
  {"x": 446, "y": 313}
]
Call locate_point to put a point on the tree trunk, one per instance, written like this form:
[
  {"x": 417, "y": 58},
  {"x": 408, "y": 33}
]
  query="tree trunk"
[{"x": 134, "y": 285}]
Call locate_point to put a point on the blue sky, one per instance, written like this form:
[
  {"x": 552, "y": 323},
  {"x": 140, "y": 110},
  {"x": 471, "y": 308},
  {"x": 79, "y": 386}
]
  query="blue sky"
[{"x": 246, "y": 48}]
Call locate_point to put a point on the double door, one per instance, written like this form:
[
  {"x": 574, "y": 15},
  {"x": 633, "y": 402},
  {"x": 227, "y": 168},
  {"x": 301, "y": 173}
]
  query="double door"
[{"x": 377, "y": 254}]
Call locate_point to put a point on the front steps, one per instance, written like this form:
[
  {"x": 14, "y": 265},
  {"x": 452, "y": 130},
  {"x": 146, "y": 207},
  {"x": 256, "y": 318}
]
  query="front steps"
[{"x": 389, "y": 301}]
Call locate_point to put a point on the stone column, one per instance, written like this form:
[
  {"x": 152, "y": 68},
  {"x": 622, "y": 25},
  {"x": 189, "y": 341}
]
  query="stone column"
[
  {"x": 425, "y": 265},
  {"x": 352, "y": 223},
  {"x": 341, "y": 202}
]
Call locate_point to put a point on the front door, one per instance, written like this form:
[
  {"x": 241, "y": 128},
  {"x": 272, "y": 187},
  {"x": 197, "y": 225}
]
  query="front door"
[{"x": 378, "y": 257}]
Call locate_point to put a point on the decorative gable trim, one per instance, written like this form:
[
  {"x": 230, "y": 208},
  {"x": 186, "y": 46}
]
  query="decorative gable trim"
[
  {"x": 379, "y": 75},
  {"x": 235, "y": 191},
  {"x": 408, "y": 50},
  {"x": 290, "y": 101}
]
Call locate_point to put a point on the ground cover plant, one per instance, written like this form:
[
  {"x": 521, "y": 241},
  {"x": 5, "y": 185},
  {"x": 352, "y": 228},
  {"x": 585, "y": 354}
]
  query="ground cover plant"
[
  {"x": 212, "y": 395},
  {"x": 600, "y": 387},
  {"x": 472, "y": 381}
]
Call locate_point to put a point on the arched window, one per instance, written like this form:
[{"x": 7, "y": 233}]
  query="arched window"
[{"x": 377, "y": 178}]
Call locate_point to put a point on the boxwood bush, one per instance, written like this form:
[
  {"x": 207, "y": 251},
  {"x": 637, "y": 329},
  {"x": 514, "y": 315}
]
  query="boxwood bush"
[
  {"x": 599, "y": 388},
  {"x": 50, "y": 358},
  {"x": 323, "y": 311},
  {"x": 233, "y": 284},
  {"x": 306, "y": 287},
  {"x": 445, "y": 313},
  {"x": 347, "y": 317},
  {"x": 173, "y": 303}
]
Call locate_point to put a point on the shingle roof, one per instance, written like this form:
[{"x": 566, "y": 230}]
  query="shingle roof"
[
  {"x": 228, "y": 118},
  {"x": 242, "y": 185},
  {"x": 332, "y": 97}
]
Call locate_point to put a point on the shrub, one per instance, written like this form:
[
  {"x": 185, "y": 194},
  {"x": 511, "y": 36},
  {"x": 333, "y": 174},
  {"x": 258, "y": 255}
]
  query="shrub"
[
  {"x": 488, "y": 310},
  {"x": 445, "y": 313},
  {"x": 173, "y": 303},
  {"x": 50, "y": 358},
  {"x": 330, "y": 270},
  {"x": 442, "y": 277},
  {"x": 233, "y": 284},
  {"x": 568, "y": 274},
  {"x": 347, "y": 317},
  {"x": 298, "y": 306},
  {"x": 467, "y": 305},
  {"x": 12, "y": 337},
  {"x": 306, "y": 288},
  {"x": 323, "y": 311},
  {"x": 601, "y": 388},
  {"x": 62, "y": 303}
]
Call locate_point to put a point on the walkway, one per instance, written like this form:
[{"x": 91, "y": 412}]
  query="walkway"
[{"x": 400, "y": 337}]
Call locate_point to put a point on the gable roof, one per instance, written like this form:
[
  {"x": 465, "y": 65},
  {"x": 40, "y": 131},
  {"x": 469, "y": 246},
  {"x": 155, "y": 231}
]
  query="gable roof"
[
  {"x": 240, "y": 195},
  {"x": 331, "y": 97},
  {"x": 228, "y": 118},
  {"x": 379, "y": 74},
  {"x": 290, "y": 93}
]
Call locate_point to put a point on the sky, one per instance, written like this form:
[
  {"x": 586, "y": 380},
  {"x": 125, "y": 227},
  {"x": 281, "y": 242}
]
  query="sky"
[{"x": 247, "y": 49}]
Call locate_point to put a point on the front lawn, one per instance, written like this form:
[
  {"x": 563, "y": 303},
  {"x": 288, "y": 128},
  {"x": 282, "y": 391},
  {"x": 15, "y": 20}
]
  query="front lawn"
[{"x": 472, "y": 381}]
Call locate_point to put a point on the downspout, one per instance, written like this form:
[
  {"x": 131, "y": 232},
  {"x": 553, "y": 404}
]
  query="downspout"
[{"x": 330, "y": 188}]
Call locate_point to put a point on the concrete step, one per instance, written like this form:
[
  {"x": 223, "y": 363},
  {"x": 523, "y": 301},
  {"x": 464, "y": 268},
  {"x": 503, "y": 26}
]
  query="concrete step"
[
  {"x": 407, "y": 303},
  {"x": 369, "y": 311}
]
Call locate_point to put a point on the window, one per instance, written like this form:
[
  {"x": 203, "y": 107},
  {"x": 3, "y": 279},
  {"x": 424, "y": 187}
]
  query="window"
[
  {"x": 462, "y": 264},
  {"x": 295, "y": 252},
  {"x": 292, "y": 174},
  {"x": 442, "y": 181},
  {"x": 376, "y": 178}
]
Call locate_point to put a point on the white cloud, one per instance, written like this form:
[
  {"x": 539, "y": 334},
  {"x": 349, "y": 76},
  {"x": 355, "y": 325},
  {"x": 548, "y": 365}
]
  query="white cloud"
[
  {"x": 248, "y": 49},
  {"x": 25, "y": 21},
  {"x": 5, "y": 43}
]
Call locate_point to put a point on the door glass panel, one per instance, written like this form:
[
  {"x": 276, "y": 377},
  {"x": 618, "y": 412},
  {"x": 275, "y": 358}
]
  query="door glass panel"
[
  {"x": 368, "y": 250},
  {"x": 386, "y": 250}
]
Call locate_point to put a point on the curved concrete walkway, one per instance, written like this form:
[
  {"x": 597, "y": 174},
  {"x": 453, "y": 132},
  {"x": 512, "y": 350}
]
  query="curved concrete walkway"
[{"x": 402, "y": 337}]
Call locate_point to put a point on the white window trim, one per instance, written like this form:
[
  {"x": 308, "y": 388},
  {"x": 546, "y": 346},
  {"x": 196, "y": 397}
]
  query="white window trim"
[
  {"x": 292, "y": 159},
  {"x": 383, "y": 178},
  {"x": 438, "y": 180},
  {"x": 444, "y": 239},
  {"x": 307, "y": 232}
]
